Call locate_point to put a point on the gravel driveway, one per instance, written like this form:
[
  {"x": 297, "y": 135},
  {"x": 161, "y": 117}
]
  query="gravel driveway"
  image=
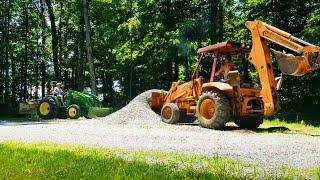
[{"x": 136, "y": 126}]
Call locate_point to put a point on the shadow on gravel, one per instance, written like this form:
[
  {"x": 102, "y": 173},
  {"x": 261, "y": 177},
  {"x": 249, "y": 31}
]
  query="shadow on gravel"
[
  {"x": 276, "y": 129},
  {"x": 189, "y": 124},
  {"x": 272, "y": 129},
  {"x": 191, "y": 121},
  {"x": 25, "y": 123},
  {"x": 259, "y": 130}
]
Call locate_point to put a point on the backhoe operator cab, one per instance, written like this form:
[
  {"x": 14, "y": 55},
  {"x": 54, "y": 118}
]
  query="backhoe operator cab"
[{"x": 215, "y": 103}]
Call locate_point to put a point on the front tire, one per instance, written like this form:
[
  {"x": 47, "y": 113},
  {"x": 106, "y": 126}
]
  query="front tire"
[
  {"x": 213, "y": 110},
  {"x": 47, "y": 109},
  {"x": 170, "y": 113},
  {"x": 73, "y": 111}
]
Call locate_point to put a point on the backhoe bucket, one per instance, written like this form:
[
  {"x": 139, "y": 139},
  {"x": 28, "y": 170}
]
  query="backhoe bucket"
[{"x": 292, "y": 65}]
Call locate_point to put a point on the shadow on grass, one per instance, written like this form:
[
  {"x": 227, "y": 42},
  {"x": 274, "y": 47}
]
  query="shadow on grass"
[
  {"x": 311, "y": 120},
  {"x": 272, "y": 129}
]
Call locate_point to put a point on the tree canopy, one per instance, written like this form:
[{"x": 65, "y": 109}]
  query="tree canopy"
[{"x": 137, "y": 44}]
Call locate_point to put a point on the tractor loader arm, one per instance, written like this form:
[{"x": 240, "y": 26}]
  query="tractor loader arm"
[{"x": 307, "y": 59}]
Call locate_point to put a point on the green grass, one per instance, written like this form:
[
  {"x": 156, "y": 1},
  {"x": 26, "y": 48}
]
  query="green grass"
[
  {"x": 56, "y": 161},
  {"x": 300, "y": 127}
]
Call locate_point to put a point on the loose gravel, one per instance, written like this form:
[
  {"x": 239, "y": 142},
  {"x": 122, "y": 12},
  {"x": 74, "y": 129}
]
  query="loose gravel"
[{"x": 137, "y": 127}]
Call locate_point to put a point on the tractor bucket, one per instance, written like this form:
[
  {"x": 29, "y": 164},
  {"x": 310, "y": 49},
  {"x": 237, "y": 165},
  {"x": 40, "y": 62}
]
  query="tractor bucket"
[
  {"x": 102, "y": 112},
  {"x": 91, "y": 113},
  {"x": 28, "y": 108},
  {"x": 292, "y": 65},
  {"x": 94, "y": 112},
  {"x": 156, "y": 99}
]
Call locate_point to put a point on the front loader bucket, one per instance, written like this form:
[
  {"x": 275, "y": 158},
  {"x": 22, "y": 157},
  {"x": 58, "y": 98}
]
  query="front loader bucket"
[
  {"x": 156, "y": 99},
  {"x": 28, "y": 108},
  {"x": 102, "y": 112},
  {"x": 94, "y": 112},
  {"x": 292, "y": 65}
]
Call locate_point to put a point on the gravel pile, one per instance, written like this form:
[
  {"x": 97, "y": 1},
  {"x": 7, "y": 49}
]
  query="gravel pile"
[{"x": 137, "y": 112}]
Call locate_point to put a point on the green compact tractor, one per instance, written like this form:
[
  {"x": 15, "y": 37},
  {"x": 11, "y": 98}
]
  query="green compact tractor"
[{"x": 75, "y": 105}]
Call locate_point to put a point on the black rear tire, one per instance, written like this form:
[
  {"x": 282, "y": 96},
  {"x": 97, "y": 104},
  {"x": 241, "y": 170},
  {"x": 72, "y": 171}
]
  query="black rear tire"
[
  {"x": 213, "y": 110},
  {"x": 249, "y": 122},
  {"x": 170, "y": 113},
  {"x": 47, "y": 109}
]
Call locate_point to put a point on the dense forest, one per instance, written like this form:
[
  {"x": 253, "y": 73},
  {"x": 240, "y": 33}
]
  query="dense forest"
[{"x": 125, "y": 47}]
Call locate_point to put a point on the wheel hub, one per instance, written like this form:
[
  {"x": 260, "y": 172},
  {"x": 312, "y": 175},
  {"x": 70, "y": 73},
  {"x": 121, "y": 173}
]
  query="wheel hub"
[
  {"x": 167, "y": 113},
  {"x": 44, "y": 108},
  {"x": 207, "y": 108},
  {"x": 72, "y": 112}
]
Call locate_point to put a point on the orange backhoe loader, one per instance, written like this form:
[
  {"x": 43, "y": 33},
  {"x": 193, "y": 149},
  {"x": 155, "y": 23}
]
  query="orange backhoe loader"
[{"x": 215, "y": 103}]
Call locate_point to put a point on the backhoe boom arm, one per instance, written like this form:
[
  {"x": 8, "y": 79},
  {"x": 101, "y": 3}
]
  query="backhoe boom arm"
[{"x": 260, "y": 57}]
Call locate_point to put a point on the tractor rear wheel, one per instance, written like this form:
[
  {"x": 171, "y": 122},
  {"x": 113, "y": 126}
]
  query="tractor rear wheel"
[
  {"x": 170, "y": 113},
  {"x": 249, "y": 122},
  {"x": 47, "y": 109},
  {"x": 213, "y": 110},
  {"x": 73, "y": 111}
]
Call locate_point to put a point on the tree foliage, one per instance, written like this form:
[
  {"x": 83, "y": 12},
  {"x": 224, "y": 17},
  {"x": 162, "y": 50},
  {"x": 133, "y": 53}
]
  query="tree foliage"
[{"x": 137, "y": 45}]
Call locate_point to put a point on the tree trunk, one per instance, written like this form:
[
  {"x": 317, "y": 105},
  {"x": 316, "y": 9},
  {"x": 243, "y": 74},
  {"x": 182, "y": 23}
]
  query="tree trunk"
[
  {"x": 131, "y": 56},
  {"x": 7, "y": 78},
  {"x": 13, "y": 80},
  {"x": 74, "y": 75},
  {"x": 81, "y": 61},
  {"x": 25, "y": 63},
  {"x": 3, "y": 51},
  {"x": 43, "y": 79},
  {"x": 186, "y": 66},
  {"x": 54, "y": 41},
  {"x": 176, "y": 65},
  {"x": 60, "y": 32},
  {"x": 213, "y": 20},
  {"x": 36, "y": 67},
  {"x": 43, "y": 45},
  {"x": 221, "y": 20},
  {"x": 89, "y": 49}
]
